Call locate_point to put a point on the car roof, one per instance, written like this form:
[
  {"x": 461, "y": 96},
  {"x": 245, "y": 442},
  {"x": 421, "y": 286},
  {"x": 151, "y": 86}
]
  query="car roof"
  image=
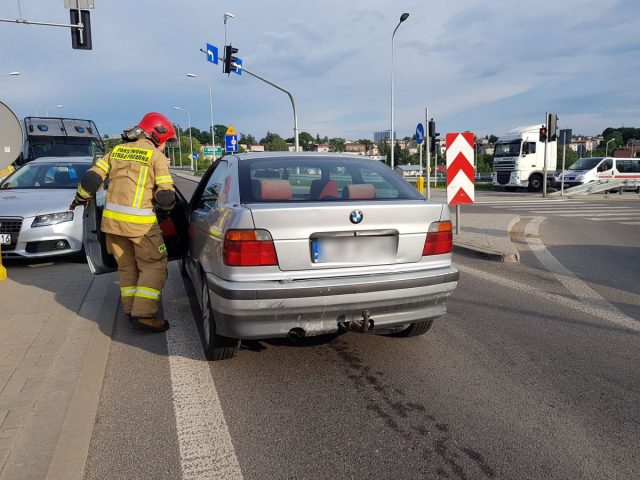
[
  {"x": 84, "y": 159},
  {"x": 255, "y": 155}
]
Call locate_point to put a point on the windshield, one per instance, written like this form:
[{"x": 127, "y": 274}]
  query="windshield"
[
  {"x": 64, "y": 147},
  {"x": 46, "y": 175},
  {"x": 320, "y": 179},
  {"x": 507, "y": 149},
  {"x": 585, "y": 164}
]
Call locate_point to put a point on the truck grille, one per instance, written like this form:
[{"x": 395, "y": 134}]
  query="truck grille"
[
  {"x": 11, "y": 226},
  {"x": 508, "y": 166},
  {"x": 503, "y": 177}
]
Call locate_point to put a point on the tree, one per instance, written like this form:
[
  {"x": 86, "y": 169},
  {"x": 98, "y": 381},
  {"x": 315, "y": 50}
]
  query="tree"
[
  {"x": 306, "y": 141},
  {"x": 269, "y": 138},
  {"x": 492, "y": 138},
  {"x": 367, "y": 144},
  {"x": 336, "y": 144},
  {"x": 247, "y": 139},
  {"x": 277, "y": 145}
]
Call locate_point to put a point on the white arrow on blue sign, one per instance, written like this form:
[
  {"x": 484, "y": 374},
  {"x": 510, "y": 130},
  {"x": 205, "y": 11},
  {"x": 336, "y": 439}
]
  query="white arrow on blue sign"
[
  {"x": 420, "y": 134},
  {"x": 212, "y": 54},
  {"x": 196, "y": 156},
  {"x": 231, "y": 143},
  {"x": 238, "y": 69}
]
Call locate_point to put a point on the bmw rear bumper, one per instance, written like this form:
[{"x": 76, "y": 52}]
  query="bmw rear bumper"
[{"x": 253, "y": 310}]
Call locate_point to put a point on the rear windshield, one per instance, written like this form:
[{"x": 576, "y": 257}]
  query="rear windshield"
[
  {"x": 308, "y": 179},
  {"x": 64, "y": 147}
]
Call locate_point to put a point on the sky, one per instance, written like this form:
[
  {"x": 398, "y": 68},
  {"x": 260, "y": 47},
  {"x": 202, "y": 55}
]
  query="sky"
[{"x": 483, "y": 66}]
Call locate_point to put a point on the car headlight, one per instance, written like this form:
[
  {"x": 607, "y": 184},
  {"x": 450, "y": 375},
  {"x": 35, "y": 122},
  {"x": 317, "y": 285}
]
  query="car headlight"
[{"x": 52, "y": 219}]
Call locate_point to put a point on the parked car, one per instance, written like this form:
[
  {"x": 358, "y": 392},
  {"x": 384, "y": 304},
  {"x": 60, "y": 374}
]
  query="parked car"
[
  {"x": 35, "y": 220},
  {"x": 301, "y": 244}
]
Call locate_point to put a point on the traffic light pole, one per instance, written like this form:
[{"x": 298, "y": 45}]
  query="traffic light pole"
[
  {"x": 293, "y": 103},
  {"x": 428, "y": 151},
  {"x": 544, "y": 168}
]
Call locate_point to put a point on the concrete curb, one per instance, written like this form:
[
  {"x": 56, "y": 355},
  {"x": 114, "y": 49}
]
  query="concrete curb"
[
  {"x": 499, "y": 249},
  {"x": 70, "y": 455}
]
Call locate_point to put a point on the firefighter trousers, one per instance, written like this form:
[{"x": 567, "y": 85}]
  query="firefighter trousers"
[{"x": 142, "y": 270}]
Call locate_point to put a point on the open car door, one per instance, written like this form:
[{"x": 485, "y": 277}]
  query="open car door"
[{"x": 174, "y": 230}]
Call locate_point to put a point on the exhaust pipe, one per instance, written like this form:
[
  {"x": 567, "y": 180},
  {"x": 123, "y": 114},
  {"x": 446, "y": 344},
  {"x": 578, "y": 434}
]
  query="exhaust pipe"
[{"x": 296, "y": 333}]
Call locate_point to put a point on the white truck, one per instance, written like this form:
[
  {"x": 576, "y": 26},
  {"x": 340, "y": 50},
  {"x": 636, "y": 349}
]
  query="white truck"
[{"x": 518, "y": 160}]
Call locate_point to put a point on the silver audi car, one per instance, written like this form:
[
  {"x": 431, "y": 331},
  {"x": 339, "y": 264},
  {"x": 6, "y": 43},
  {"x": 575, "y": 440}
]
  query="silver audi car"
[
  {"x": 35, "y": 220},
  {"x": 302, "y": 244}
]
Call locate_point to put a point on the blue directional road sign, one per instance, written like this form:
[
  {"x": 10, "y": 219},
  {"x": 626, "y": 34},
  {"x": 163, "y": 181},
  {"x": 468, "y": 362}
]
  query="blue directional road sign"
[
  {"x": 212, "y": 54},
  {"x": 238, "y": 70},
  {"x": 195, "y": 156},
  {"x": 420, "y": 134},
  {"x": 231, "y": 143}
]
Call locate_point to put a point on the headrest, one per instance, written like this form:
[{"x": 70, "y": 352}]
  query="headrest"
[
  {"x": 320, "y": 189},
  {"x": 270, "y": 190},
  {"x": 61, "y": 177},
  {"x": 359, "y": 191}
]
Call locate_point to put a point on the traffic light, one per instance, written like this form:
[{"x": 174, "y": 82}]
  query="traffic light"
[
  {"x": 81, "y": 38},
  {"x": 433, "y": 141},
  {"x": 229, "y": 59},
  {"x": 552, "y": 122},
  {"x": 543, "y": 134}
]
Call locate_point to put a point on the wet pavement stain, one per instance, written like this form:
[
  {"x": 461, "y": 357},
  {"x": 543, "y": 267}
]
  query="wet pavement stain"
[{"x": 410, "y": 419}]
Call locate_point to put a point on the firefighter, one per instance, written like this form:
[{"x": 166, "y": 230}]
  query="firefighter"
[
  {"x": 140, "y": 191},
  {"x": 5, "y": 172}
]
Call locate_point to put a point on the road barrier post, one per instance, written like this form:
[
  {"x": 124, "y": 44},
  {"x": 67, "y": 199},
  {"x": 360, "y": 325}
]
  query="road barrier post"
[{"x": 3, "y": 271}]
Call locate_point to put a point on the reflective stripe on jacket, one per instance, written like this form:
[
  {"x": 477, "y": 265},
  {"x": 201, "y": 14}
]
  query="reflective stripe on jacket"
[{"x": 136, "y": 171}]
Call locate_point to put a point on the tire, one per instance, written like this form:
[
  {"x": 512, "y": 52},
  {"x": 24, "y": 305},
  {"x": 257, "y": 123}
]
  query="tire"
[
  {"x": 216, "y": 347},
  {"x": 415, "y": 329},
  {"x": 510, "y": 189},
  {"x": 535, "y": 183}
]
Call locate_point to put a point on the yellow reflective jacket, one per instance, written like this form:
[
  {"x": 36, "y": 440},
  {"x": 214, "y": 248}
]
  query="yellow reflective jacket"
[{"x": 136, "y": 171}]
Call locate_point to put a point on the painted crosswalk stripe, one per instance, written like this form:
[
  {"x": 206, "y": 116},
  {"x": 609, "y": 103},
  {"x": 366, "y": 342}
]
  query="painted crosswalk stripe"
[
  {"x": 587, "y": 214},
  {"x": 565, "y": 210},
  {"x": 206, "y": 450},
  {"x": 611, "y": 219},
  {"x": 630, "y": 223}
]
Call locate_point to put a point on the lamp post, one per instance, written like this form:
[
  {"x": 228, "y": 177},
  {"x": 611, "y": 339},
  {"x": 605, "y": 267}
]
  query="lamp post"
[
  {"x": 47, "y": 111},
  {"x": 10, "y": 74},
  {"x": 226, "y": 16},
  {"x": 213, "y": 140},
  {"x": 403, "y": 17},
  {"x": 190, "y": 137},
  {"x": 606, "y": 148}
]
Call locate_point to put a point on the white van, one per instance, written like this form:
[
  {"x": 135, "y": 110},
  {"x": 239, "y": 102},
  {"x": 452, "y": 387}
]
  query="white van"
[{"x": 587, "y": 170}]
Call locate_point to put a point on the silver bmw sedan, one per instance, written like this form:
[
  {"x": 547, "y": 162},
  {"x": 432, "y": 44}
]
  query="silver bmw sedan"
[{"x": 295, "y": 244}]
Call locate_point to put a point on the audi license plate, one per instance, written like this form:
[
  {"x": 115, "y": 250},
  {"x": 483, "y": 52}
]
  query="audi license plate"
[{"x": 5, "y": 239}]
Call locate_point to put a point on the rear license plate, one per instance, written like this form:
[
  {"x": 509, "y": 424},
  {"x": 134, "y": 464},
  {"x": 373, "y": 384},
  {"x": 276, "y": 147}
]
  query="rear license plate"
[
  {"x": 5, "y": 239},
  {"x": 362, "y": 250}
]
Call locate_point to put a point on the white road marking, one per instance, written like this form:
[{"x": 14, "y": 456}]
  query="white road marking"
[
  {"x": 611, "y": 219},
  {"x": 206, "y": 449},
  {"x": 589, "y": 214},
  {"x": 562, "y": 208},
  {"x": 630, "y": 223}
]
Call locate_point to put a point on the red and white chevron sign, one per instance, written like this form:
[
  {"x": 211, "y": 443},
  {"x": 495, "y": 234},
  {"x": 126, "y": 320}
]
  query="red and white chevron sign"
[{"x": 460, "y": 171}]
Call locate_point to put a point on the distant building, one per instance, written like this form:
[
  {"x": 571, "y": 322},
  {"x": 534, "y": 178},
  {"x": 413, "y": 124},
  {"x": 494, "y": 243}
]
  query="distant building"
[
  {"x": 355, "y": 148},
  {"x": 383, "y": 135},
  {"x": 408, "y": 170},
  {"x": 487, "y": 149},
  {"x": 256, "y": 148},
  {"x": 321, "y": 147}
]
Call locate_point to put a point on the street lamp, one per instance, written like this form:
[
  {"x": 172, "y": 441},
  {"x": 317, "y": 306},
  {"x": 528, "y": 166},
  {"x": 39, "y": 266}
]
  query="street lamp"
[
  {"x": 226, "y": 16},
  {"x": 213, "y": 140},
  {"x": 403, "y": 17},
  {"x": 57, "y": 106},
  {"x": 190, "y": 138},
  {"x": 606, "y": 148},
  {"x": 10, "y": 74}
]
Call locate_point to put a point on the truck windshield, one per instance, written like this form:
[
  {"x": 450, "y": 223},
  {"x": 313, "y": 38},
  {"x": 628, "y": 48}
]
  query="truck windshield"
[
  {"x": 585, "y": 164},
  {"x": 507, "y": 149},
  {"x": 64, "y": 147}
]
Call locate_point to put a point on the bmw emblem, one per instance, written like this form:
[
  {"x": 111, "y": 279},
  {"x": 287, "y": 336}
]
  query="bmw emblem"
[{"x": 356, "y": 216}]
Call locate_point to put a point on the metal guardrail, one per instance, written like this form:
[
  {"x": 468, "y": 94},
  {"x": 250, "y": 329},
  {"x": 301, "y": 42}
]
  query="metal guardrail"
[{"x": 600, "y": 186}]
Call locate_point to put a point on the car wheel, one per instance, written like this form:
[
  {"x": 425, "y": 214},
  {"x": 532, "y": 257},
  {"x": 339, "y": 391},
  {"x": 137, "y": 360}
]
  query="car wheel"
[
  {"x": 414, "y": 329},
  {"x": 216, "y": 347},
  {"x": 535, "y": 183}
]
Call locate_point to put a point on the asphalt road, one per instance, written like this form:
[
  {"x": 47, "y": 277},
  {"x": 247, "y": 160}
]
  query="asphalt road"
[{"x": 515, "y": 382}]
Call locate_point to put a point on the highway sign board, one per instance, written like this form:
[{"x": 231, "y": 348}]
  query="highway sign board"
[
  {"x": 420, "y": 134},
  {"x": 208, "y": 151},
  {"x": 212, "y": 53},
  {"x": 460, "y": 171},
  {"x": 231, "y": 130},
  {"x": 231, "y": 143}
]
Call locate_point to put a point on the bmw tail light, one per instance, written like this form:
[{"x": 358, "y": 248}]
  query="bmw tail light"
[
  {"x": 249, "y": 248},
  {"x": 439, "y": 239}
]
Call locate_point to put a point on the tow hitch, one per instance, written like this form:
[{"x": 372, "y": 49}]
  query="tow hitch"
[{"x": 360, "y": 326}]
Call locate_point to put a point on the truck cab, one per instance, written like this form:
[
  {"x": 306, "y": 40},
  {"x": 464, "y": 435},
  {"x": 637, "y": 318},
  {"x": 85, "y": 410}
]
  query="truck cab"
[
  {"x": 60, "y": 137},
  {"x": 519, "y": 159}
]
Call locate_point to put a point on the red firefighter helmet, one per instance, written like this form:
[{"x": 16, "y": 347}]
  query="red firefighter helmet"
[{"x": 157, "y": 127}]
